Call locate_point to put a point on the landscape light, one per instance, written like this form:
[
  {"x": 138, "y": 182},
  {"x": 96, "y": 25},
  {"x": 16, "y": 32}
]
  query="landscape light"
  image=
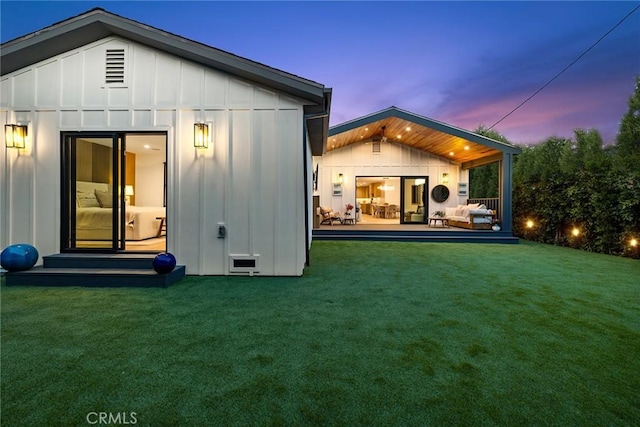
[
  {"x": 530, "y": 224},
  {"x": 633, "y": 243},
  {"x": 575, "y": 232}
]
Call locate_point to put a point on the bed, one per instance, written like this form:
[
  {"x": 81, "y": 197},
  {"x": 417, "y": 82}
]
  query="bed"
[{"x": 94, "y": 215}]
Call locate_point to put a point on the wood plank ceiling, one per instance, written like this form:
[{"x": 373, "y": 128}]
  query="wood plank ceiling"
[{"x": 401, "y": 131}]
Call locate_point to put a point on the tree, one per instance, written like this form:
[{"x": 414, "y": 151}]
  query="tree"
[
  {"x": 627, "y": 147},
  {"x": 483, "y": 180}
]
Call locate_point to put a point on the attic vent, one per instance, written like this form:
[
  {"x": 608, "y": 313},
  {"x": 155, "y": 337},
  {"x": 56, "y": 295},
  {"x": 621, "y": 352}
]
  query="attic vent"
[
  {"x": 375, "y": 147},
  {"x": 114, "y": 70}
]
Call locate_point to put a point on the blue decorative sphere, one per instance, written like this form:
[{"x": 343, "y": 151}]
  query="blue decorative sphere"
[
  {"x": 18, "y": 257},
  {"x": 164, "y": 263}
]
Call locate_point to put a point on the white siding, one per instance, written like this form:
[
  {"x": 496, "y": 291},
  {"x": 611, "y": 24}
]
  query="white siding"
[
  {"x": 394, "y": 160},
  {"x": 250, "y": 179}
]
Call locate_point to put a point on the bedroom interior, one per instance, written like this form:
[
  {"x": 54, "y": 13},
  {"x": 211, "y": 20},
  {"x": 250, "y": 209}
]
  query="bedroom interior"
[{"x": 145, "y": 193}]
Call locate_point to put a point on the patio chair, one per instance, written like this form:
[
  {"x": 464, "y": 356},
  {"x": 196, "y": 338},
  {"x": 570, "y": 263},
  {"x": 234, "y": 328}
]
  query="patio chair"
[{"x": 329, "y": 216}]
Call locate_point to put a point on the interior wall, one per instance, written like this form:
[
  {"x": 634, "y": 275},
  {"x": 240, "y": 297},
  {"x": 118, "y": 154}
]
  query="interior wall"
[{"x": 149, "y": 178}]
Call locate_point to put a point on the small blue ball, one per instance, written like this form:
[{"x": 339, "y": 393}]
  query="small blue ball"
[
  {"x": 164, "y": 263},
  {"x": 18, "y": 257}
]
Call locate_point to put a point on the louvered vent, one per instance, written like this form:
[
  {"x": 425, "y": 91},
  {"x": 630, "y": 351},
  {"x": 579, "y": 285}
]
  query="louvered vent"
[
  {"x": 375, "y": 147},
  {"x": 114, "y": 71}
]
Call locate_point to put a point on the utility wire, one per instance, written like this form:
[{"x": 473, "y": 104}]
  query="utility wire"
[{"x": 566, "y": 68}]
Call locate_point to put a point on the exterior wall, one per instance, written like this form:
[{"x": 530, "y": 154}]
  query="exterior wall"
[
  {"x": 394, "y": 160},
  {"x": 250, "y": 178}
]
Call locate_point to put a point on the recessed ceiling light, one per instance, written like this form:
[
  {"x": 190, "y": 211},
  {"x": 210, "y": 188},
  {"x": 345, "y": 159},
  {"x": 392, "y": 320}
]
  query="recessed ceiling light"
[
  {"x": 408, "y": 129},
  {"x": 451, "y": 153},
  {"x": 366, "y": 128},
  {"x": 399, "y": 136},
  {"x": 466, "y": 147}
]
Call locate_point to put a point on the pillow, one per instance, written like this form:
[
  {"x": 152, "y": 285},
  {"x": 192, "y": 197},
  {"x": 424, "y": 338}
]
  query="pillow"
[
  {"x": 104, "y": 198},
  {"x": 473, "y": 206},
  {"x": 87, "y": 200}
]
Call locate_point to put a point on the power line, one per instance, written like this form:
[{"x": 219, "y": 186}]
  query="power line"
[{"x": 566, "y": 68}]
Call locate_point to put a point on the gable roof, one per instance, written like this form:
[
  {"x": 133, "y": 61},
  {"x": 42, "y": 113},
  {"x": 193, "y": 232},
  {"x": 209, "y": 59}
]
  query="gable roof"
[
  {"x": 403, "y": 127},
  {"x": 97, "y": 24}
]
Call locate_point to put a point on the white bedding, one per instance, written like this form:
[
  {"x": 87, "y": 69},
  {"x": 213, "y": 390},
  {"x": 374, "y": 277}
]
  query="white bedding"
[
  {"x": 140, "y": 221},
  {"x": 95, "y": 223}
]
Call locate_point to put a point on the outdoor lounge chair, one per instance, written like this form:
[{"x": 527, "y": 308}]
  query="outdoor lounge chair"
[{"x": 328, "y": 216}]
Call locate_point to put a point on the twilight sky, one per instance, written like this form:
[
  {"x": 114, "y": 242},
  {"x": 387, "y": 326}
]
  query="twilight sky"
[{"x": 465, "y": 63}]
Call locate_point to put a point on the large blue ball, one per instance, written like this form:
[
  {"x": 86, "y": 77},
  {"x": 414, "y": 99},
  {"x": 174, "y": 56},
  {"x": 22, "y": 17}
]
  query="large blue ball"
[
  {"x": 18, "y": 257},
  {"x": 164, "y": 263}
]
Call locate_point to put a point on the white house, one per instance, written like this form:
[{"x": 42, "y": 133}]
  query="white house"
[
  {"x": 413, "y": 164},
  {"x": 113, "y": 111}
]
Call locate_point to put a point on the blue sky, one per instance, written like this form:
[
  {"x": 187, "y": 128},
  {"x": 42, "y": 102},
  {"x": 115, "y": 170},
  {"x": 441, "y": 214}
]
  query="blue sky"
[{"x": 464, "y": 63}]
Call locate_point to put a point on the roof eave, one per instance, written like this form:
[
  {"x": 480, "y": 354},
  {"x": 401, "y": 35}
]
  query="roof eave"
[{"x": 423, "y": 121}]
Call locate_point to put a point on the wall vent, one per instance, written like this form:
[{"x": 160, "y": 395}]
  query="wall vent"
[
  {"x": 375, "y": 147},
  {"x": 114, "y": 70},
  {"x": 244, "y": 263}
]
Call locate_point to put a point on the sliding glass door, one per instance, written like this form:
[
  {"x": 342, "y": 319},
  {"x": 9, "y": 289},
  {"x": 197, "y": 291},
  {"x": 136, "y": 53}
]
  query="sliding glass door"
[
  {"x": 414, "y": 203},
  {"x": 93, "y": 191}
]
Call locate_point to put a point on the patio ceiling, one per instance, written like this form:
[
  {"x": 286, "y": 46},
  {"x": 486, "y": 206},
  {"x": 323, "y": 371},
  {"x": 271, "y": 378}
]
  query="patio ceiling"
[{"x": 401, "y": 127}]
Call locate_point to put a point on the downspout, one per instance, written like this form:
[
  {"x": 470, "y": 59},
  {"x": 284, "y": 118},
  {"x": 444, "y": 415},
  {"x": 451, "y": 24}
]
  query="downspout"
[{"x": 307, "y": 231}]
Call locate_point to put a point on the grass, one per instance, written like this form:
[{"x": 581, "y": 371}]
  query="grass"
[{"x": 374, "y": 334}]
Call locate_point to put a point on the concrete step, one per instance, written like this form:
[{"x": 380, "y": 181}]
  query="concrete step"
[
  {"x": 417, "y": 236},
  {"x": 85, "y": 260},
  {"x": 94, "y": 277}
]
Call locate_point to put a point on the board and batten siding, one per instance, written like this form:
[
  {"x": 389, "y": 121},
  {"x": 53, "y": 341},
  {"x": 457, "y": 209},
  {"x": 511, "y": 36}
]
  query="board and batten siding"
[
  {"x": 250, "y": 179},
  {"x": 393, "y": 160}
]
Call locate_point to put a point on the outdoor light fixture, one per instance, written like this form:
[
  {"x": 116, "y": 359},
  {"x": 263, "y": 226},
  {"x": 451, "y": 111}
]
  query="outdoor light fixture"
[
  {"x": 201, "y": 135},
  {"x": 633, "y": 243},
  {"x": 445, "y": 178},
  {"x": 340, "y": 178},
  {"x": 15, "y": 136},
  {"x": 530, "y": 224},
  {"x": 575, "y": 232}
]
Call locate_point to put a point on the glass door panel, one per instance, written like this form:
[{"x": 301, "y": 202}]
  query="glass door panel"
[
  {"x": 93, "y": 192},
  {"x": 413, "y": 201}
]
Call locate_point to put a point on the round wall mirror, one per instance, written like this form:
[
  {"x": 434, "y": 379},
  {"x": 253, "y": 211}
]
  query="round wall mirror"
[{"x": 440, "y": 193}]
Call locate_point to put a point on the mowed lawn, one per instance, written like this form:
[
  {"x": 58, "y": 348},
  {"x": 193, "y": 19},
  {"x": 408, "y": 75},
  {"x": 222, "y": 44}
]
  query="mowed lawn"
[{"x": 374, "y": 334}]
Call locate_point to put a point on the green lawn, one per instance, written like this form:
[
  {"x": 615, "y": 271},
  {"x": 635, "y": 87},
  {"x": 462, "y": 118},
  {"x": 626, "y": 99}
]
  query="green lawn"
[{"x": 374, "y": 334}]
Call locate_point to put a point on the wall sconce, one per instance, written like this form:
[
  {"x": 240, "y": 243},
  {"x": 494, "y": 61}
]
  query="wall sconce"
[
  {"x": 15, "y": 136},
  {"x": 201, "y": 135},
  {"x": 340, "y": 178},
  {"x": 445, "y": 178}
]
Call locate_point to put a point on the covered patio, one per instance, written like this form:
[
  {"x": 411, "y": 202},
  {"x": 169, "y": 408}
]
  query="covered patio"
[{"x": 405, "y": 161}]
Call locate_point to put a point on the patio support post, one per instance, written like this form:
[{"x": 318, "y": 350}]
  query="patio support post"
[{"x": 506, "y": 190}]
